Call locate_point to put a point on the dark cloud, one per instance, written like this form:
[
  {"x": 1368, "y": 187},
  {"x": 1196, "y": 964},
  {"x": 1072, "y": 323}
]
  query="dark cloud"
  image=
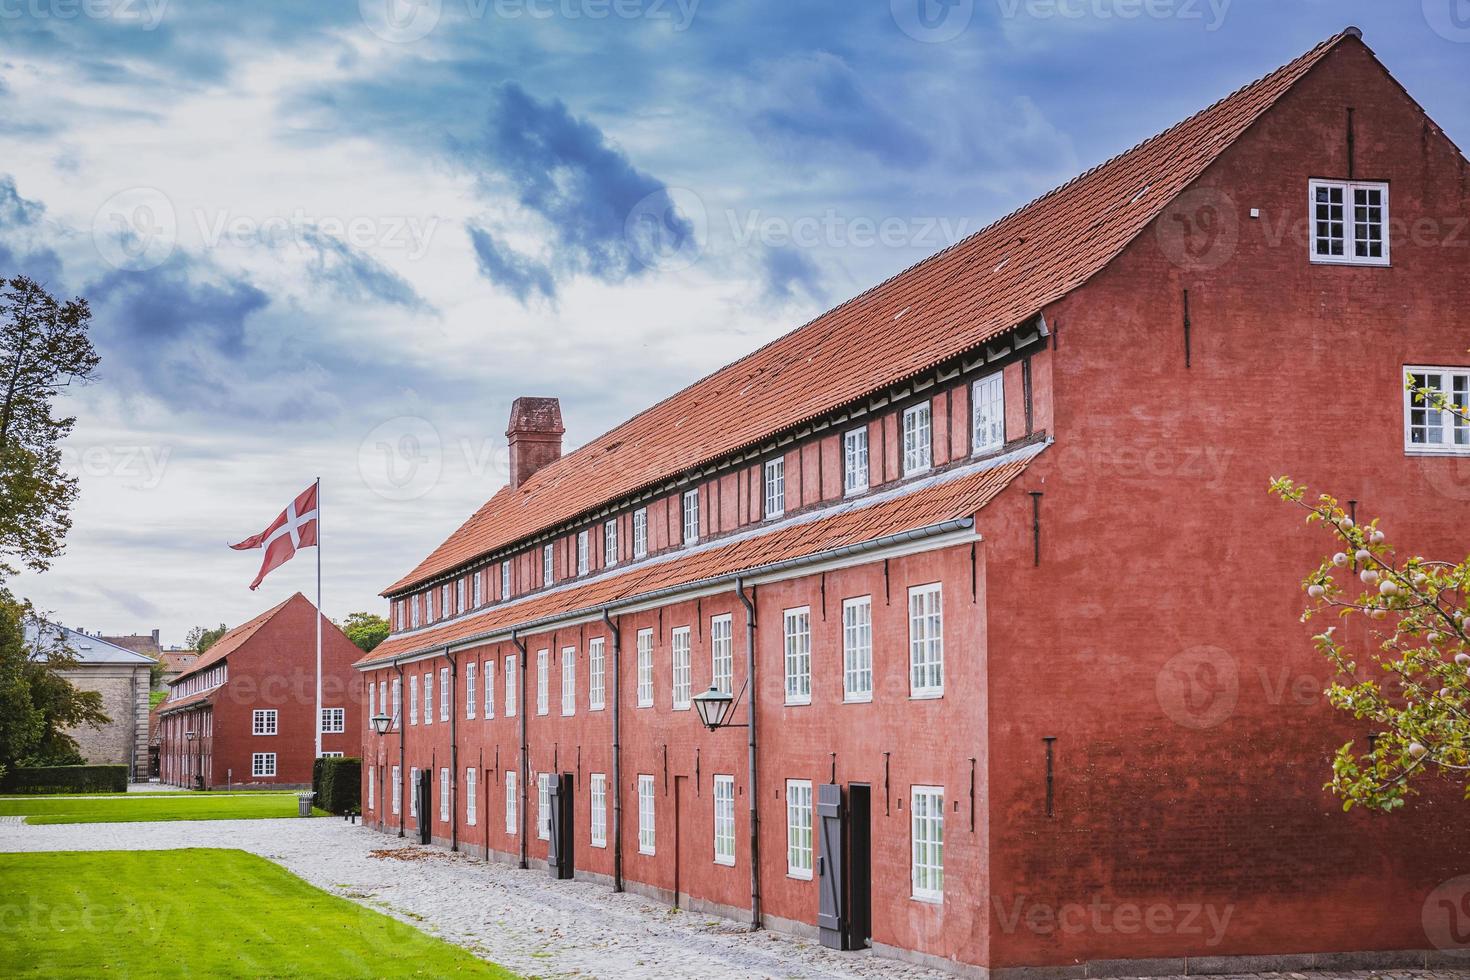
[
  {"x": 356, "y": 276},
  {"x": 21, "y": 250},
  {"x": 521, "y": 276},
  {"x": 789, "y": 271},
  {"x": 564, "y": 171}
]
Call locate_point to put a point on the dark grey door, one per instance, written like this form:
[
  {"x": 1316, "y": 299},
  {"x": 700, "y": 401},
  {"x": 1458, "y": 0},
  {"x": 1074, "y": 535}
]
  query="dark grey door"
[
  {"x": 831, "y": 893},
  {"x": 562, "y": 842},
  {"x": 426, "y": 820}
]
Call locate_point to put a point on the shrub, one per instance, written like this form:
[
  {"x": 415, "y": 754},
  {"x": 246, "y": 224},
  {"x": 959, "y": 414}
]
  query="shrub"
[
  {"x": 337, "y": 783},
  {"x": 65, "y": 779}
]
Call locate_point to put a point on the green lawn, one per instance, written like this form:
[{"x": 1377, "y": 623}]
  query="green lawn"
[
  {"x": 148, "y": 806},
  {"x": 199, "y": 912}
]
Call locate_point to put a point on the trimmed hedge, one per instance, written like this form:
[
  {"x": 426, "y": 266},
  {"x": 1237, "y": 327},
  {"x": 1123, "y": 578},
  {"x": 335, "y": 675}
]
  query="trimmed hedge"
[
  {"x": 66, "y": 779},
  {"x": 337, "y": 783}
]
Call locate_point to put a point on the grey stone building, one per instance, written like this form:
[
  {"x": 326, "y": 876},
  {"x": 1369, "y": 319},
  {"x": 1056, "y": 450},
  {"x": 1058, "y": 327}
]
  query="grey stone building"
[{"x": 122, "y": 678}]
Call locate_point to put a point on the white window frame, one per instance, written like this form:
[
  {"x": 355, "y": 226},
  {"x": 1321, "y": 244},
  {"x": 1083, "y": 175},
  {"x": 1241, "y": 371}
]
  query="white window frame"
[
  {"x": 926, "y": 867},
  {"x": 584, "y": 559},
  {"x": 444, "y": 595},
  {"x": 724, "y": 813},
  {"x": 610, "y": 543},
  {"x": 689, "y": 504},
  {"x": 1351, "y": 225},
  {"x": 568, "y": 681},
  {"x": 471, "y": 790},
  {"x": 264, "y": 721},
  {"x": 262, "y": 765},
  {"x": 372, "y": 782},
  {"x": 926, "y": 641},
  {"x": 471, "y": 688},
  {"x": 489, "y": 672},
  {"x": 800, "y": 842},
  {"x": 444, "y": 794},
  {"x": 510, "y": 685},
  {"x": 857, "y": 649},
  {"x": 548, "y": 564},
  {"x": 444, "y": 699},
  {"x": 722, "y": 653},
  {"x": 855, "y": 468},
  {"x": 645, "y": 668},
  {"x": 597, "y": 673},
  {"x": 413, "y": 796},
  {"x": 459, "y": 595},
  {"x": 477, "y": 592},
  {"x": 640, "y": 533},
  {"x": 333, "y": 721},
  {"x": 681, "y": 668},
  {"x": 797, "y": 659},
  {"x": 397, "y": 790},
  {"x": 543, "y": 805},
  {"x": 372, "y": 699},
  {"x": 510, "y": 802},
  {"x": 774, "y": 482},
  {"x": 1449, "y": 425},
  {"x": 918, "y": 439},
  {"x": 414, "y": 612},
  {"x": 647, "y": 819},
  {"x": 597, "y": 797},
  {"x": 397, "y": 703},
  {"x": 413, "y": 699},
  {"x": 988, "y": 413},
  {"x": 543, "y": 682},
  {"x": 505, "y": 580},
  {"x": 429, "y": 698}
]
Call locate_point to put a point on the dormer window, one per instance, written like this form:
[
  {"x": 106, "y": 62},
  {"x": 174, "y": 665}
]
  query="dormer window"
[{"x": 1349, "y": 222}]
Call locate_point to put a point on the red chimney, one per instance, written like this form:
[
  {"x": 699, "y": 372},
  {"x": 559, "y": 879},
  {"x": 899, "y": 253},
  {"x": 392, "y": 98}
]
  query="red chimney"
[{"x": 535, "y": 433}]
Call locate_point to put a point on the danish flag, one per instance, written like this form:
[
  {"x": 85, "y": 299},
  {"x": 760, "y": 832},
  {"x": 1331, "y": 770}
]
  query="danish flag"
[{"x": 295, "y": 528}]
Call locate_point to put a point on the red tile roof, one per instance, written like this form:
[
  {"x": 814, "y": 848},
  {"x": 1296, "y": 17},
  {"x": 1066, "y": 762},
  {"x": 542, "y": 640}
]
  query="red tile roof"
[
  {"x": 191, "y": 701},
  {"x": 949, "y": 303},
  {"x": 235, "y": 638},
  {"x": 959, "y": 494}
]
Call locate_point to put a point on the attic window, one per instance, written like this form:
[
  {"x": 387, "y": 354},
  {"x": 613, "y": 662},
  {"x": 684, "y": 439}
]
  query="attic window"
[{"x": 1349, "y": 223}]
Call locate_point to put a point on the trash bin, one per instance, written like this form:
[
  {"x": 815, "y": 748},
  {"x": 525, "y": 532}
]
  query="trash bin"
[{"x": 303, "y": 805}]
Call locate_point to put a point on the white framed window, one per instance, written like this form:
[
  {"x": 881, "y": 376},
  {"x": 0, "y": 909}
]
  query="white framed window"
[
  {"x": 926, "y": 641},
  {"x": 917, "y": 439},
  {"x": 489, "y": 671},
  {"x": 372, "y": 699},
  {"x": 1430, "y": 431},
  {"x": 429, "y": 698},
  {"x": 799, "y": 828},
  {"x": 414, "y": 612},
  {"x": 444, "y": 795},
  {"x": 471, "y": 689},
  {"x": 927, "y": 821},
  {"x": 548, "y": 565},
  {"x": 397, "y": 607},
  {"x": 988, "y": 413},
  {"x": 504, "y": 580},
  {"x": 691, "y": 516},
  {"x": 510, "y": 801},
  {"x": 397, "y": 702},
  {"x": 263, "y": 721},
  {"x": 471, "y": 778},
  {"x": 568, "y": 681},
  {"x": 610, "y": 543},
  {"x": 543, "y": 681},
  {"x": 597, "y": 792},
  {"x": 397, "y": 790},
  {"x": 479, "y": 588},
  {"x": 681, "y": 668},
  {"x": 413, "y": 699},
  {"x": 645, "y": 815},
  {"x": 645, "y": 668},
  {"x": 857, "y": 649},
  {"x": 1349, "y": 222},
  {"x": 372, "y": 782},
  {"x": 640, "y": 533},
  {"x": 413, "y": 796},
  {"x": 445, "y": 611},
  {"x": 263, "y": 764},
  {"x": 543, "y": 805},
  {"x": 775, "y": 485},
  {"x": 725, "y": 820},
  {"x": 596, "y": 673},
  {"x": 510, "y": 686},
  {"x": 333, "y": 755},
  {"x": 459, "y": 596},
  {"x": 798, "y": 632},
  {"x": 582, "y": 557},
  {"x": 722, "y": 654},
  {"x": 334, "y": 721},
  {"x": 855, "y": 460},
  {"x": 444, "y": 705}
]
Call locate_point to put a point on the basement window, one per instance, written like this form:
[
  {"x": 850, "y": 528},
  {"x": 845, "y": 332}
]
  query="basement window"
[
  {"x": 1437, "y": 426},
  {"x": 1349, "y": 223}
]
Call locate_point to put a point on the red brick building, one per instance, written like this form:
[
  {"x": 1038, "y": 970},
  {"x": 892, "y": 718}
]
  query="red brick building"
[
  {"x": 989, "y": 550},
  {"x": 243, "y": 712}
]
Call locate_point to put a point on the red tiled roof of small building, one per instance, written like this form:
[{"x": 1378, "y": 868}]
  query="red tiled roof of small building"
[
  {"x": 944, "y": 306},
  {"x": 235, "y": 638}
]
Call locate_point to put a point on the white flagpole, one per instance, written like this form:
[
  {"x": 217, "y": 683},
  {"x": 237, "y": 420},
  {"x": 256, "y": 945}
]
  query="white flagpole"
[{"x": 318, "y": 617}]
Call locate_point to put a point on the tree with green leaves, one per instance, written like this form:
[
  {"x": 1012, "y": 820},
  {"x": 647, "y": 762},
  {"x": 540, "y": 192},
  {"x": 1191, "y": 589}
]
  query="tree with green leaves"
[
  {"x": 366, "y": 630},
  {"x": 201, "y": 639},
  {"x": 38, "y": 706},
  {"x": 44, "y": 348}
]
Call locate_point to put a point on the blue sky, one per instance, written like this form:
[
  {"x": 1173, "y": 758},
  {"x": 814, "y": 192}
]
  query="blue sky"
[{"x": 338, "y": 239}]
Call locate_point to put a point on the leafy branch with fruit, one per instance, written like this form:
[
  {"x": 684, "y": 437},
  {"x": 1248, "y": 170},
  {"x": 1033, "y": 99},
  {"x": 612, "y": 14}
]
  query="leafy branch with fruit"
[{"x": 1414, "y": 685}]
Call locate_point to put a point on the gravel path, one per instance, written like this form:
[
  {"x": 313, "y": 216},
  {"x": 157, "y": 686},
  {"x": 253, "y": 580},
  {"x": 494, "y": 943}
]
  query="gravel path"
[{"x": 522, "y": 920}]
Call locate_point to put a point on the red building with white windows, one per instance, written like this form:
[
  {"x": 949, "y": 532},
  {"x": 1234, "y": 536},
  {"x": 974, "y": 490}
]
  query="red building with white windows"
[
  {"x": 988, "y": 550},
  {"x": 243, "y": 713}
]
